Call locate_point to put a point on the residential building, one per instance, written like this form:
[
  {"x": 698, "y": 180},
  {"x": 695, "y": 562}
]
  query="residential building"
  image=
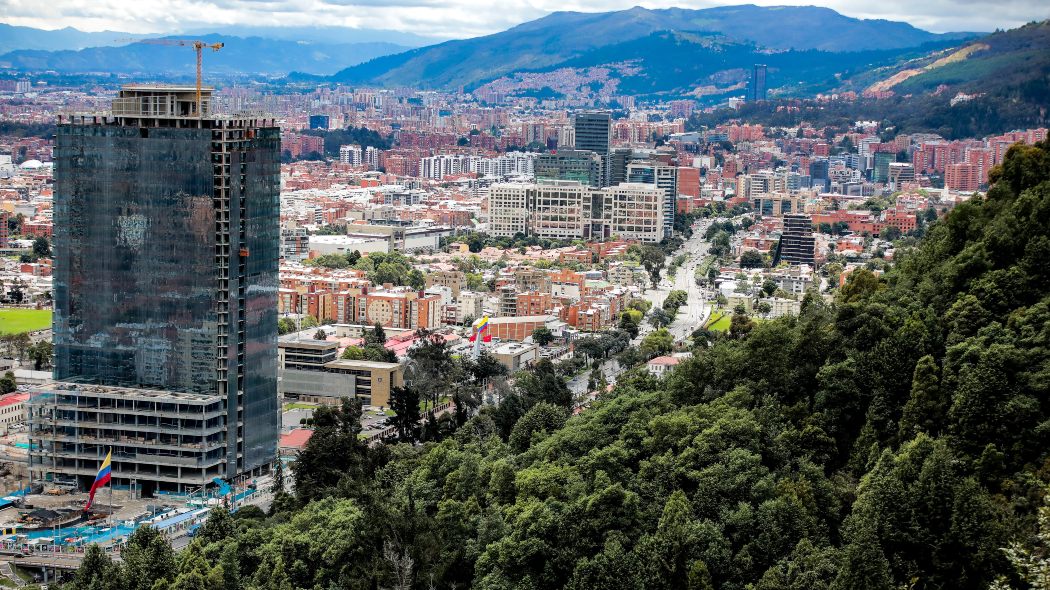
[
  {"x": 797, "y": 242},
  {"x": 665, "y": 177},
  {"x": 12, "y": 410},
  {"x": 962, "y": 177},
  {"x": 661, "y": 365},
  {"x": 780, "y": 306},
  {"x": 351, "y": 154},
  {"x": 453, "y": 279}
]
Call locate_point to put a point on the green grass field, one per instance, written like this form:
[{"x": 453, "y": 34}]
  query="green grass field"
[
  {"x": 300, "y": 406},
  {"x": 719, "y": 323},
  {"x": 14, "y": 321}
]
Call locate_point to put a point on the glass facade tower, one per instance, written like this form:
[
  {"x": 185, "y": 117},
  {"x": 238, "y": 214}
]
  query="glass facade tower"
[{"x": 165, "y": 278}]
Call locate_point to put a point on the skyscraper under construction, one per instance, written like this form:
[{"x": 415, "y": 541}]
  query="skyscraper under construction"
[{"x": 166, "y": 224}]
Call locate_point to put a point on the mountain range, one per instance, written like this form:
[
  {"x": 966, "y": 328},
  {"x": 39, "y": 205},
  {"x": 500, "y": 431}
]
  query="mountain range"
[
  {"x": 241, "y": 55},
  {"x": 14, "y": 37},
  {"x": 550, "y": 41}
]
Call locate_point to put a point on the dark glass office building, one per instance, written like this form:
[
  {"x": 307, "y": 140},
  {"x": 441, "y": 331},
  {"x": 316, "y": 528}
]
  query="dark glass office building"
[
  {"x": 593, "y": 131},
  {"x": 756, "y": 88},
  {"x": 165, "y": 286}
]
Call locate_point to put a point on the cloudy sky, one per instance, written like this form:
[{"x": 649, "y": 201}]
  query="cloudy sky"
[{"x": 442, "y": 19}]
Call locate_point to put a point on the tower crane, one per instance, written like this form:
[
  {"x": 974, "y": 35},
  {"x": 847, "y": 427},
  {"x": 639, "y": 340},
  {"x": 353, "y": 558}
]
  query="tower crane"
[{"x": 198, "y": 46}]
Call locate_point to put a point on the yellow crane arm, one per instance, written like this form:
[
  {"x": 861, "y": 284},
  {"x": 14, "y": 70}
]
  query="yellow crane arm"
[{"x": 198, "y": 47}]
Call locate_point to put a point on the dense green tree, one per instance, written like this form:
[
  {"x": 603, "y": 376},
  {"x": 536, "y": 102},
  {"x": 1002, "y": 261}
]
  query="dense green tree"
[
  {"x": 542, "y": 418},
  {"x": 146, "y": 560},
  {"x": 334, "y": 454},
  {"x": 542, "y": 336},
  {"x": 660, "y": 318},
  {"x": 631, "y": 322},
  {"x": 97, "y": 571},
  {"x": 8, "y": 383},
  {"x": 656, "y": 343},
  {"x": 652, "y": 258},
  {"x": 42, "y": 247},
  {"x": 218, "y": 527},
  {"x": 926, "y": 408},
  {"x": 752, "y": 259},
  {"x": 377, "y": 335}
]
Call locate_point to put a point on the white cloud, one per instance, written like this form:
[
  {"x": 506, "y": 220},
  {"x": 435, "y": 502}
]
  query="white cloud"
[{"x": 440, "y": 19}]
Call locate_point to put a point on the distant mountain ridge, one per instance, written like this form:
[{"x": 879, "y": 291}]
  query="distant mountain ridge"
[
  {"x": 561, "y": 36},
  {"x": 254, "y": 55},
  {"x": 14, "y": 37}
]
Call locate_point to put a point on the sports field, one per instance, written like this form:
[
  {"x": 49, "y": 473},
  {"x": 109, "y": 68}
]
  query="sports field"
[{"x": 13, "y": 321}]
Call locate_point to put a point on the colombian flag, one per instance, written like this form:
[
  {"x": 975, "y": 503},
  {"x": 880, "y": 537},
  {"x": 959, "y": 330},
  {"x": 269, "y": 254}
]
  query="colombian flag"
[
  {"x": 101, "y": 479},
  {"x": 481, "y": 328}
]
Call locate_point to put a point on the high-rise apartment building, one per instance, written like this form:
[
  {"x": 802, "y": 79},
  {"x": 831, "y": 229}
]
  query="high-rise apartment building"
[
  {"x": 963, "y": 177},
  {"x": 350, "y": 154},
  {"x": 756, "y": 87},
  {"x": 663, "y": 176},
  {"x": 796, "y": 242},
  {"x": 165, "y": 289}
]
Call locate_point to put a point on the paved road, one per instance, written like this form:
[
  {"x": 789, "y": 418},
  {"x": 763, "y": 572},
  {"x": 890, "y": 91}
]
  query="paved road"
[
  {"x": 695, "y": 312},
  {"x": 690, "y": 316}
]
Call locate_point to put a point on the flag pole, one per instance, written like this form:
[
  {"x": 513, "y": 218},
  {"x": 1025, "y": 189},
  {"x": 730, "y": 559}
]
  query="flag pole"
[{"x": 112, "y": 512}]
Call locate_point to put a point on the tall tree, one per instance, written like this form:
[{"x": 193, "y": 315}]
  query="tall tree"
[
  {"x": 147, "y": 559},
  {"x": 405, "y": 402}
]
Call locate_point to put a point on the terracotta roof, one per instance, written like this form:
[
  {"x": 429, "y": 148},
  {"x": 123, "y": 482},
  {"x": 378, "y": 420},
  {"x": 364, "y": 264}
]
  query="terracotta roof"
[{"x": 296, "y": 439}]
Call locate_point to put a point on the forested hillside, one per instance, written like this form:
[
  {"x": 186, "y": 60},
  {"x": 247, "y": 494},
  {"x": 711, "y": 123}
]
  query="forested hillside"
[{"x": 894, "y": 438}]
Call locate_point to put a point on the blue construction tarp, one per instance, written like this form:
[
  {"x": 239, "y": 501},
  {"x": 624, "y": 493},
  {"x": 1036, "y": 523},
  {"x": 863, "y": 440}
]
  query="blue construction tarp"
[
  {"x": 174, "y": 520},
  {"x": 224, "y": 488}
]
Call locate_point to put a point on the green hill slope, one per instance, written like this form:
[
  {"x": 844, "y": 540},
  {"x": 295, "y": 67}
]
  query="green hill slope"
[
  {"x": 987, "y": 64},
  {"x": 679, "y": 62},
  {"x": 898, "y": 437}
]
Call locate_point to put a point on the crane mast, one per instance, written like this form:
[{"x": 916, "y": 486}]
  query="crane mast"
[{"x": 198, "y": 46}]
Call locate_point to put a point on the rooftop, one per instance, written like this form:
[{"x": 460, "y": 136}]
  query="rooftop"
[
  {"x": 353, "y": 364},
  {"x": 664, "y": 360},
  {"x": 296, "y": 439}
]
